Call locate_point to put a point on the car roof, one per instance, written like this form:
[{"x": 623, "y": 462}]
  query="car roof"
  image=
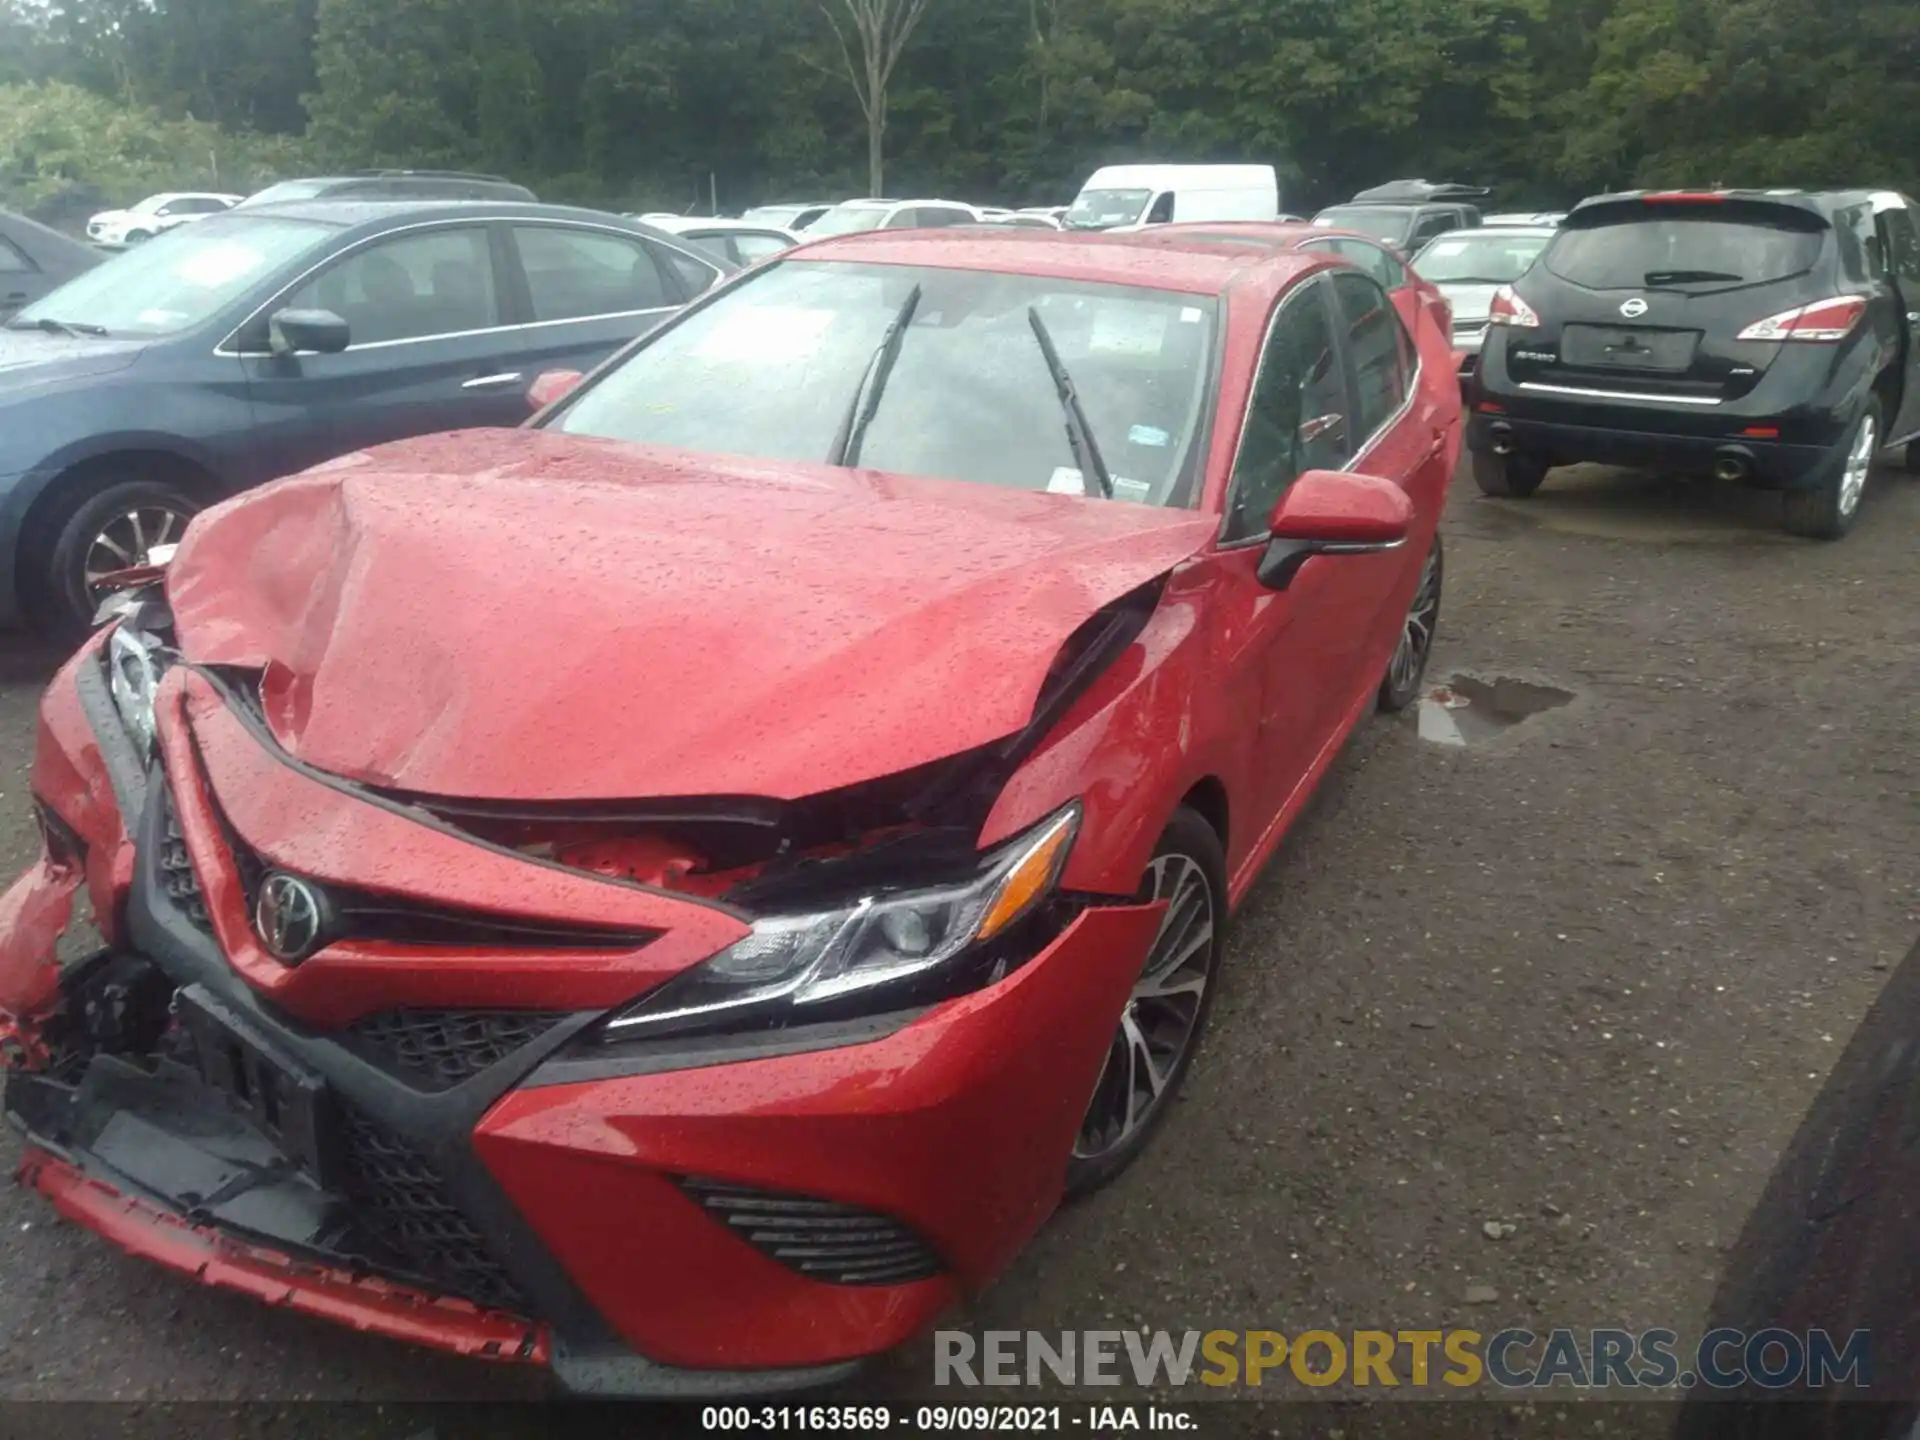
[
  {"x": 1066, "y": 255},
  {"x": 1819, "y": 202},
  {"x": 350, "y": 214},
  {"x": 1269, "y": 234}
]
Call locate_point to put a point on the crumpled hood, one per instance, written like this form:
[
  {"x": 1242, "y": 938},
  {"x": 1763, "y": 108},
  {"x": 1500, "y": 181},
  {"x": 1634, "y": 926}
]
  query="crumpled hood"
[
  {"x": 1471, "y": 303},
  {"x": 34, "y": 358},
  {"x": 519, "y": 615}
]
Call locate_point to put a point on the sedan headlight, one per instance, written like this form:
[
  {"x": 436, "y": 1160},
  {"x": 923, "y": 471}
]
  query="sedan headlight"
[
  {"x": 135, "y": 663},
  {"x": 873, "y": 948}
]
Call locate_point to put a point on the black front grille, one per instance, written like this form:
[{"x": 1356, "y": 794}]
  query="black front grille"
[
  {"x": 822, "y": 1239},
  {"x": 435, "y": 1050},
  {"x": 401, "y": 1201},
  {"x": 177, "y": 880}
]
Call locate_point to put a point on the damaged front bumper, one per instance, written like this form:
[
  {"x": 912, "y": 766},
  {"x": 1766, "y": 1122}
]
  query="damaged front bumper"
[{"x": 448, "y": 1170}]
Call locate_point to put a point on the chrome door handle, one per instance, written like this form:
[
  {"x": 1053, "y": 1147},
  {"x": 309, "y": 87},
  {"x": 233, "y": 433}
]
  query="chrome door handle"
[
  {"x": 1319, "y": 425},
  {"x": 492, "y": 382}
]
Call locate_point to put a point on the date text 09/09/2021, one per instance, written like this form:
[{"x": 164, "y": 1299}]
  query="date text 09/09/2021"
[{"x": 941, "y": 1419}]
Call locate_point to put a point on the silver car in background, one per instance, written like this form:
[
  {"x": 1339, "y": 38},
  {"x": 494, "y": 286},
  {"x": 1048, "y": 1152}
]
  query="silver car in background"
[{"x": 1468, "y": 266}]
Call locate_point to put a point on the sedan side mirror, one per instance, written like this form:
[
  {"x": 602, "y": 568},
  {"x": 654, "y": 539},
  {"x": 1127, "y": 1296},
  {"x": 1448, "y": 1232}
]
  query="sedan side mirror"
[
  {"x": 553, "y": 386},
  {"x": 320, "y": 332},
  {"x": 1330, "y": 512}
]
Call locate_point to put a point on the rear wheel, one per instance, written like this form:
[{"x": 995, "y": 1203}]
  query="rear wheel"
[
  {"x": 73, "y": 550},
  {"x": 1509, "y": 477},
  {"x": 1913, "y": 457},
  {"x": 1161, "y": 1026},
  {"x": 1827, "y": 509},
  {"x": 1409, "y": 666}
]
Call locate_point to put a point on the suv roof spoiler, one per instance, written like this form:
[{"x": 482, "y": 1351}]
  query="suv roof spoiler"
[{"x": 1413, "y": 192}]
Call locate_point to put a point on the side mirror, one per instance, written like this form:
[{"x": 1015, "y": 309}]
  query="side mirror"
[
  {"x": 316, "y": 331},
  {"x": 552, "y": 386},
  {"x": 1330, "y": 512}
]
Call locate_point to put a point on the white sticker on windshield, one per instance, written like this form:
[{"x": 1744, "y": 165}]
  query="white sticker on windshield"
[
  {"x": 775, "y": 333},
  {"x": 1067, "y": 481},
  {"x": 1450, "y": 247},
  {"x": 1190, "y": 315},
  {"x": 1128, "y": 330},
  {"x": 1149, "y": 435},
  {"x": 221, "y": 263},
  {"x": 1124, "y": 489}
]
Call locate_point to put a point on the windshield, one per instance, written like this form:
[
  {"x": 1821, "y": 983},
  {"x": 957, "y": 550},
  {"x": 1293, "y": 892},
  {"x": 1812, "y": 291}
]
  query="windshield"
[
  {"x": 177, "y": 280},
  {"x": 287, "y": 190},
  {"x": 849, "y": 220},
  {"x": 1479, "y": 259},
  {"x": 1684, "y": 246},
  {"x": 148, "y": 205},
  {"x": 773, "y": 214},
  {"x": 1382, "y": 223},
  {"x": 1104, "y": 209},
  {"x": 774, "y": 368}
]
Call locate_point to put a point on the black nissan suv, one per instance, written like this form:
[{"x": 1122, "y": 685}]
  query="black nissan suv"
[{"x": 1769, "y": 337}]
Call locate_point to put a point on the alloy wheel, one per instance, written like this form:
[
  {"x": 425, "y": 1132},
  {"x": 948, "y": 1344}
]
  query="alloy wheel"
[
  {"x": 1161, "y": 1020},
  {"x": 128, "y": 539},
  {"x": 1853, "y": 479},
  {"x": 1416, "y": 636}
]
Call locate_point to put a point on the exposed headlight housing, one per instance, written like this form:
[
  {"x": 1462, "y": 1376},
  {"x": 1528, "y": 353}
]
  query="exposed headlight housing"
[
  {"x": 793, "y": 968},
  {"x": 136, "y": 660}
]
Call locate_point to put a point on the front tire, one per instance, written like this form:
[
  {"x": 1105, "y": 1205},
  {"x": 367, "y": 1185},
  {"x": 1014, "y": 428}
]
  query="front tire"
[
  {"x": 1166, "y": 1014},
  {"x": 111, "y": 528},
  {"x": 1827, "y": 510},
  {"x": 1912, "y": 465},
  {"x": 1508, "y": 477}
]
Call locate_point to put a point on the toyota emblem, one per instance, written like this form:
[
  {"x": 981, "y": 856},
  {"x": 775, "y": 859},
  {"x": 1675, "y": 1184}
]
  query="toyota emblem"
[
  {"x": 1634, "y": 308},
  {"x": 290, "y": 916}
]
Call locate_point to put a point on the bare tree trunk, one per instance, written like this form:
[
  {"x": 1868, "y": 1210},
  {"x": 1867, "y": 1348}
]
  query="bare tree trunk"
[{"x": 881, "y": 28}]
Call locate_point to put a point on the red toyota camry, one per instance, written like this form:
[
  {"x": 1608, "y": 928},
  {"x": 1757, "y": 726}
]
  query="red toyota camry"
[{"x": 679, "y": 892}]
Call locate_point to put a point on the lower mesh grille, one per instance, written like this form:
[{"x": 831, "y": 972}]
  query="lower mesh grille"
[
  {"x": 822, "y": 1239},
  {"x": 401, "y": 1201},
  {"x": 436, "y": 1050},
  {"x": 177, "y": 880}
]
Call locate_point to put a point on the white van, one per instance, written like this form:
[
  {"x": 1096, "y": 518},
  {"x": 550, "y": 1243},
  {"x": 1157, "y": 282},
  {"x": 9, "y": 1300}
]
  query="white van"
[{"x": 1131, "y": 195}]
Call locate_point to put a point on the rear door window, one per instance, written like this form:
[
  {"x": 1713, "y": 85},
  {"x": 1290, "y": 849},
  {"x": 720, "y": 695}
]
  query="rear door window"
[
  {"x": 1903, "y": 243},
  {"x": 1704, "y": 245},
  {"x": 1375, "y": 344},
  {"x": 574, "y": 274},
  {"x": 12, "y": 261}
]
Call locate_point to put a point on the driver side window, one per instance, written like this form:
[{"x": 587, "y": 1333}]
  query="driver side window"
[
  {"x": 1162, "y": 212},
  {"x": 1297, "y": 416}
]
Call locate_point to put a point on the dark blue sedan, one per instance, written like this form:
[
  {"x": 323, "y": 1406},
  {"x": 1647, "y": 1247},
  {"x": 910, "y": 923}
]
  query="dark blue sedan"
[{"x": 254, "y": 344}]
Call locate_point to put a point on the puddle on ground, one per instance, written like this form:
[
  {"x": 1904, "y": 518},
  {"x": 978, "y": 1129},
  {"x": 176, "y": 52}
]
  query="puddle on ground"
[{"x": 1466, "y": 711}]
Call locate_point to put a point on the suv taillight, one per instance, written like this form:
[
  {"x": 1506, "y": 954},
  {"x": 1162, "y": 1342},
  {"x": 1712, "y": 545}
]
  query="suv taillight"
[
  {"x": 1509, "y": 309},
  {"x": 1824, "y": 321}
]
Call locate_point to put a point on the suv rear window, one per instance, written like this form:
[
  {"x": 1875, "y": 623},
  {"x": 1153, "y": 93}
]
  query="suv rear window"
[{"x": 1686, "y": 246}]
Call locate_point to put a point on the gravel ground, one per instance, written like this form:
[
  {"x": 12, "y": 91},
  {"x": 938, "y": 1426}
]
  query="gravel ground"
[{"x": 1581, "y": 979}]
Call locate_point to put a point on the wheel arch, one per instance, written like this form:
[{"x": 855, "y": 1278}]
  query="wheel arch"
[
  {"x": 69, "y": 480},
  {"x": 1207, "y": 797}
]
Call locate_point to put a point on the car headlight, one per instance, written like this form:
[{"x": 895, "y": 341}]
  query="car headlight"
[
  {"x": 792, "y": 967},
  {"x": 136, "y": 661}
]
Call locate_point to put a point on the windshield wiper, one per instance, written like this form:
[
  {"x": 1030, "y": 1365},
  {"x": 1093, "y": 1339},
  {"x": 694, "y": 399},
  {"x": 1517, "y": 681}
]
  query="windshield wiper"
[
  {"x": 1472, "y": 280},
  {"x": 866, "y": 399},
  {"x": 1086, "y": 454},
  {"x": 51, "y": 326},
  {"x": 1687, "y": 277}
]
